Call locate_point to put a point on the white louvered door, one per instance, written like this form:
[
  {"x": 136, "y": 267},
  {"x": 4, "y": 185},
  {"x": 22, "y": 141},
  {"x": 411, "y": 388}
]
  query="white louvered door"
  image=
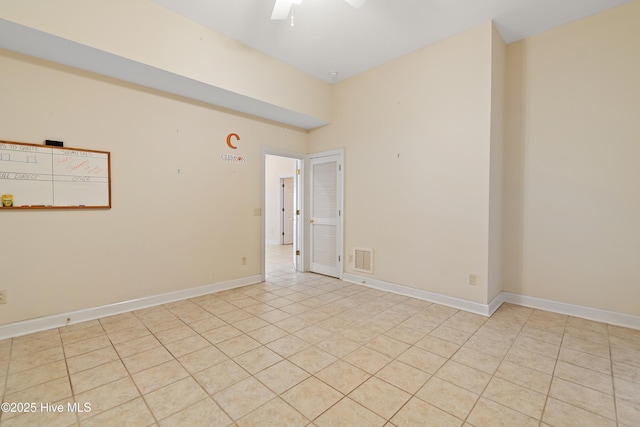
[{"x": 325, "y": 219}]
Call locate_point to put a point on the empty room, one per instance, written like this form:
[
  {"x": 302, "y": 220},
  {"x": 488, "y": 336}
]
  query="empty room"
[{"x": 320, "y": 213}]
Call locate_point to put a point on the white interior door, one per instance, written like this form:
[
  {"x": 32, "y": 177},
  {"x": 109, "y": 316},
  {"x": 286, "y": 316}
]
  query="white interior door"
[
  {"x": 325, "y": 214},
  {"x": 286, "y": 204}
]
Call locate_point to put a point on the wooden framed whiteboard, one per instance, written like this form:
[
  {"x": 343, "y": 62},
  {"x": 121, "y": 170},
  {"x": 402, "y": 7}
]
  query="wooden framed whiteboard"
[{"x": 48, "y": 177}]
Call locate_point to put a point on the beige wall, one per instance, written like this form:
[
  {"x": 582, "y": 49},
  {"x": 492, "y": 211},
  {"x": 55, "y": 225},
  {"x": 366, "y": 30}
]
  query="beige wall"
[
  {"x": 416, "y": 133},
  {"x": 166, "y": 231},
  {"x": 572, "y": 225}
]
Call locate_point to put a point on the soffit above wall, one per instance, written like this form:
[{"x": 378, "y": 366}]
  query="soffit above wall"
[{"x": 28, "y": 41}]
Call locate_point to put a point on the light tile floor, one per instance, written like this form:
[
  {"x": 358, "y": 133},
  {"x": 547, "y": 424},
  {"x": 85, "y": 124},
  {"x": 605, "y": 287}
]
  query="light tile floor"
[{"x": 308, "y": 350}]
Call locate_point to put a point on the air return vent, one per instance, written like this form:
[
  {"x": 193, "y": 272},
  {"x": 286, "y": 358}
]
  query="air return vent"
[{"x": 363, "y": 260}]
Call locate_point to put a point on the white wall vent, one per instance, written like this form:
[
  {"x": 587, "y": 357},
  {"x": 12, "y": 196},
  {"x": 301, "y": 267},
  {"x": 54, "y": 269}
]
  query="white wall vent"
[{"x": 363, "y": 260}]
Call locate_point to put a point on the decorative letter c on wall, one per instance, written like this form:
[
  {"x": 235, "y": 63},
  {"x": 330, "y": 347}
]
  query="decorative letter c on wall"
[{"x": 229, "y": 140}]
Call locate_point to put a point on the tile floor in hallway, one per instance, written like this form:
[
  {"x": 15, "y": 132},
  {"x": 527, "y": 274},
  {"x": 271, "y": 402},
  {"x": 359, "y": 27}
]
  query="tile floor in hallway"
[{"x": 308, "y": 350}]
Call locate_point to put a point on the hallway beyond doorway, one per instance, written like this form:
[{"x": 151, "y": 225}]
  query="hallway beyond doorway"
[{"x": 279, "y": 259}]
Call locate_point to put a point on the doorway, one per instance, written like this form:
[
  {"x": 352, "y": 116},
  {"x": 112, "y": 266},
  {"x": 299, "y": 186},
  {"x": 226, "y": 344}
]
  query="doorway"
[
  {"x": 317, "y": 213},
  {"x": 281, "y": 202}
]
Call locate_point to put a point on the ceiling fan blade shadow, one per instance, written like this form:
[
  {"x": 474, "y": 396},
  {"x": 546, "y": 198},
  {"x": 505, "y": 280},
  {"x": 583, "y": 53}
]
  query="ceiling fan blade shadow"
[
  {"x": 356, "y": 3},
  {"x": 281, "y": 9}
]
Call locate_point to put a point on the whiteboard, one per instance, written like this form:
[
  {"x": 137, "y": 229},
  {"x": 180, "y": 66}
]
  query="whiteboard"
[{"x": 39, "y": 176}]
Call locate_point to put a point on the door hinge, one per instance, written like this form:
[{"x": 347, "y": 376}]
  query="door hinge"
[
  {"x": 297, "y": 211},
  {"x": 339, "y": 167},
  {"x": 297, "y": 252},
  {"x": 338, "y": 258},
  {"x": 297, "y": 171}
]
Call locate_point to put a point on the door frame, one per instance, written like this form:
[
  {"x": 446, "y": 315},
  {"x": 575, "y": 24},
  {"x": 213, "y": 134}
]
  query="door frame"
[
  {"x": 283, "y": 203},
  {"x": 302, "y": 228},
  {"x": 299, "y": 233},
  {"x": 340, "y": 205}
]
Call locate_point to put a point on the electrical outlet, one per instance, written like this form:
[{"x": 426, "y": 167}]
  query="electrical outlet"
[
  {"x": 3, "y": 296},
  {"x": 473, "y": 279}
]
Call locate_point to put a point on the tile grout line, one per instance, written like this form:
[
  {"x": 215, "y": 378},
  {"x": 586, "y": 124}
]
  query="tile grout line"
[
  {"x": 329, "y": 385},
  {"x": 555, "y": 365},
  {"x": 413, "y": 395},
  {"x": 142, "y": 396},
  {"x": 6, "y": 378},
  {"x": 496, "y": 370},
  {"x": 613, "y": 380},
  {"x": 66, "y": 364}
]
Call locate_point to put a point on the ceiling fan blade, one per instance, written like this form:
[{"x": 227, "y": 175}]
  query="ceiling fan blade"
[
  {"x": 356, "y": 3},
  {"x": 281, "y": 9}
]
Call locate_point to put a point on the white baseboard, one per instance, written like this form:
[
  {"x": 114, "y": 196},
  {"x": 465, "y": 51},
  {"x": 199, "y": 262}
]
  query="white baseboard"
[
  {"x": 595, "y": 314},
  {"x": 59, "y": 320},
  {"x": 496, "y": 303},
  {"x": 611, "y": 317},
  {"x": 459, "y": 303}
]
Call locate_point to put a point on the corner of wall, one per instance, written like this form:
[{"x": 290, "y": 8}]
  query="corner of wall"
[{"x": 496, "y": 169}]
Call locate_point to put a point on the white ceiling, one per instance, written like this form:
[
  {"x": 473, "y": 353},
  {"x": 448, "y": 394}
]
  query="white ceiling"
[{"x": 331, "y": 36}]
